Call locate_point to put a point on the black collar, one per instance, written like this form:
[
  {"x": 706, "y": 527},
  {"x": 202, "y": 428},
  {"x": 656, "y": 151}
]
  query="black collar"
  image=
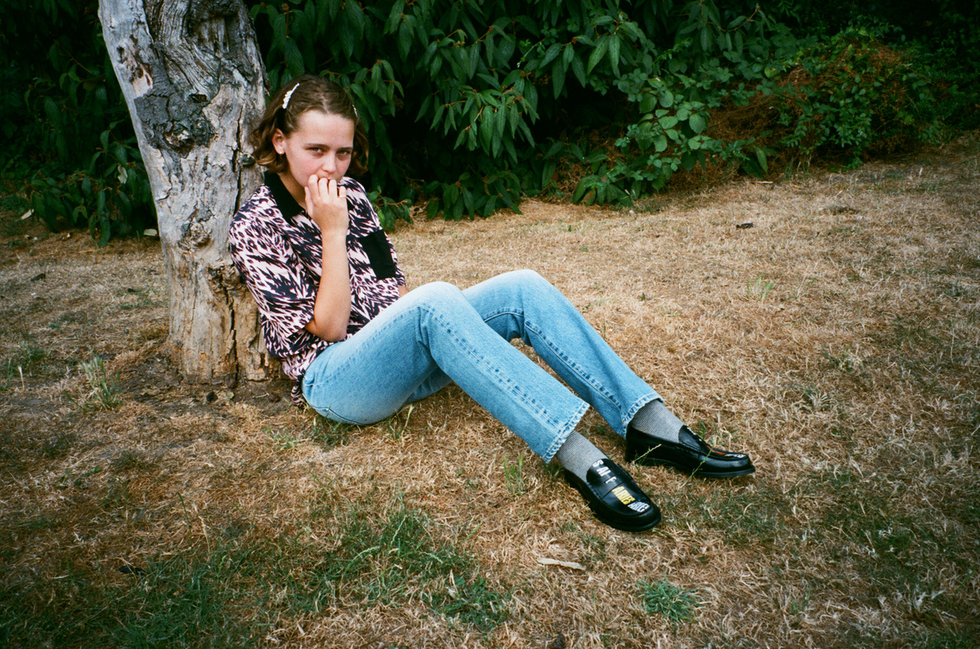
[{"x": 284, "y": 200}]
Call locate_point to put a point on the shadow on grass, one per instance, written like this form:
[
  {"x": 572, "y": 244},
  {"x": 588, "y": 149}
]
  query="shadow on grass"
[{"x": 231, "y": 595}]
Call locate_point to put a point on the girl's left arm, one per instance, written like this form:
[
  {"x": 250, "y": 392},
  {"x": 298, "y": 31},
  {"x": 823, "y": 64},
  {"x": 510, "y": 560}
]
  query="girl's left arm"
[{"x": 326, "y": 203}]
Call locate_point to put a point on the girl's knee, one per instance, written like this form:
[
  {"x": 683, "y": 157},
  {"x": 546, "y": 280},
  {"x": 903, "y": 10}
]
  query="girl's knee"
[
  {"x": 525, "y": 278},
  {"x": 531, "y": 282},
  {"x": 434, "y": 291},
  {"x": 436, "y": 296}
]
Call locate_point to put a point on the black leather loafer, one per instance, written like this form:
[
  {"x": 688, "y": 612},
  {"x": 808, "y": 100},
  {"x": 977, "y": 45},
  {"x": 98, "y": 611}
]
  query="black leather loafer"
[
  {"x": 691, "y": 455},
  {"x": 615, "y": 498}
]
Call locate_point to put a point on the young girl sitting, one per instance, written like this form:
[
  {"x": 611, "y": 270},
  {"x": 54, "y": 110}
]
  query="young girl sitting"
[{"x": 336, "y": 311}]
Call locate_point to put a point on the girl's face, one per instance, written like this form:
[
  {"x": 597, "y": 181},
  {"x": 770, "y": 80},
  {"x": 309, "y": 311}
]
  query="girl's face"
[{"x": 321, "y": 146}]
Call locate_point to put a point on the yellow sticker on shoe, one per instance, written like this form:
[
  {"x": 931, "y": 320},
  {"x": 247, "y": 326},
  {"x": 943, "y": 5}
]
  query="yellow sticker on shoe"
[{"x": 623, "y": 495}]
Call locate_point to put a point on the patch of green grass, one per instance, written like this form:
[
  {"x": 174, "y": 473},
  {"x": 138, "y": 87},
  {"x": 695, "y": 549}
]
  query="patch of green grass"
[
  {"x": 30, "y": 356},
  {"x": 956, "y": 290},
  {"x": 395, "y": 426},
  {"x": 911, "y": 335},
  {"x": 803, "y": 288},
  {"x": 228, "y": 594},
  {"x": 130, "y": 460},
  {"x": 37, "y": 523},
  {"x": 29, "y": 360},
  {"x": 75, "y": 317},
  {"x": 103, "y": 390},
  {"x": 947, "y": 640},
  {"x": 845, "y": 360},
  {"x": 863, "y": 637},
  {"x": 185, "y": 601},
  {"x": 328, "y": 433},
  {"x": 594, "y": 546},
  {"x": 751, "y": 519},
  {"x": 471, "y": 600},
  {"x": 678, "y": 605},
  {"x": 143, "y": 300},
  {"x": 282, "y": 440},
  {"x": 57, "y": 444},
  {"x": 760, "y": 288},
  {"x": 893, "y": 546},
  {"x": 392, "y": 557},
  {"x": 514, "y": 476}
]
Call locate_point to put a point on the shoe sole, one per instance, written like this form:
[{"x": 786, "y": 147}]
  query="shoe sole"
[{"x": 647, "y": 461}]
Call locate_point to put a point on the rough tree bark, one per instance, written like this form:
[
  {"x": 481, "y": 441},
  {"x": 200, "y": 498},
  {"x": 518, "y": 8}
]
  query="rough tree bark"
[{"x": 192, "y": 76}]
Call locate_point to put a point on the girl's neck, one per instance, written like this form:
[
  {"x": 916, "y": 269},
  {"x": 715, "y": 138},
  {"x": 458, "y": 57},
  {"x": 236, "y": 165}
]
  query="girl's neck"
[{"x": 295, "y": 190}]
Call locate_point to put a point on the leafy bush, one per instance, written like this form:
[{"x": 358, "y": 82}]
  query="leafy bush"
[
  {"x": 855, "y": 95},
  {"x": 473, "y": 105},
  {"x": 68, "y": 136}
]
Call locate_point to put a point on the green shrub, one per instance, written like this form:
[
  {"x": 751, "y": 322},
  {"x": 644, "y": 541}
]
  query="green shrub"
[
  {"x": 475, "y": 104},
  {"x": 472, "y": 105},
  {"x": 68, "y": 136},
  {"x": 855, "y": 95}
]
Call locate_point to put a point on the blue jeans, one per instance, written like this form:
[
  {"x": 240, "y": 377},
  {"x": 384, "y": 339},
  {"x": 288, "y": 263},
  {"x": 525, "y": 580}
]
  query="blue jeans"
[{"x": 436, "y": 334}]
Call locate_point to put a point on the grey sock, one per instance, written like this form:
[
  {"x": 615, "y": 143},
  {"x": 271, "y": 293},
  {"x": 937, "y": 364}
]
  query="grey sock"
[
  {"x": 577, "y": 454},
  {"x": 654, "y": 419}
]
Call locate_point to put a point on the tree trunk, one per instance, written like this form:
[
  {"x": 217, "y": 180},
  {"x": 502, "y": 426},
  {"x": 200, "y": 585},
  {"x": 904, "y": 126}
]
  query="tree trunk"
[{"x": 193, "y": 77}]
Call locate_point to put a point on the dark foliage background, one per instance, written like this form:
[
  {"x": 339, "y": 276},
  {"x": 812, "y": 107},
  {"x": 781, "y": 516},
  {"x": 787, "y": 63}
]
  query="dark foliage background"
[{"x": 472, "y": 105}]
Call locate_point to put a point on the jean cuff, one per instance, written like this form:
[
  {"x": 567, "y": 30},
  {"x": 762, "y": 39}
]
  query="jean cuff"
[
  {"x": 565, "y": 431},
  {"x": 635, "y": 408}
]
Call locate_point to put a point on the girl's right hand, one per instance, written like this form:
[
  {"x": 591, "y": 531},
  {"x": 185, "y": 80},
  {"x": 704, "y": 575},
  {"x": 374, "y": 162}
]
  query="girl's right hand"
[{"x": 326, "y": 203}]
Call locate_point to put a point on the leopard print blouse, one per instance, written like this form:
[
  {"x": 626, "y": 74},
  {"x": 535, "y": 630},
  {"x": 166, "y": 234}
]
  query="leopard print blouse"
[{"x": 277, "y": 248}]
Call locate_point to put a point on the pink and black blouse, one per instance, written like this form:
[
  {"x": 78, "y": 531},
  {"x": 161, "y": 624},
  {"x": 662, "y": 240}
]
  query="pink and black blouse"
[{"x": 277, "y": 248}]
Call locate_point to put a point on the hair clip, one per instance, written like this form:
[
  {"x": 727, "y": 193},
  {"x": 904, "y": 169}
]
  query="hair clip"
[{"x": 289, "y": 95}]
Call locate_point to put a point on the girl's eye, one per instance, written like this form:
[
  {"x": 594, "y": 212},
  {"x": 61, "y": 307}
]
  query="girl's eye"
[{"x": 343, "y": 154}]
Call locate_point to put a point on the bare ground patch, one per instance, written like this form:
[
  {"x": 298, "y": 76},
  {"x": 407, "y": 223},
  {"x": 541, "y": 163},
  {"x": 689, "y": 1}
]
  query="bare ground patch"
[{"x": 836, "y": 339}]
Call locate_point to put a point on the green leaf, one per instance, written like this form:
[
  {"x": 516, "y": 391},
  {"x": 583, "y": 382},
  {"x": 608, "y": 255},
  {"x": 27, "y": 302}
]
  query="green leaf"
[
  {"x": 395, "y": 17},
  {"x": 474, "y": 59},
  {"x": 347, "y": 41},
  {"x": 404, "y": 40},
  {"x": 600, "y": 51},
  {"x": 355, "y": 16},
  {"x": 52, "y": 112},
  {"x": 432, "y": 209},
  {"x": 558, "y": 73},
  {"x": 294, "y": 59},
  {"x": 579, "y": 71},
  {"x": 697, "y": 123},
  {"x": 118, "y": 152},
  {"x": 647, "y": 102},
  {"x": 760, "y": 155},
  {"x": 614, "y": 54},
  {"x": 706, "y": 39},
  {"x": 505, "y": 50},
  {"x": 549, "y": 56}
]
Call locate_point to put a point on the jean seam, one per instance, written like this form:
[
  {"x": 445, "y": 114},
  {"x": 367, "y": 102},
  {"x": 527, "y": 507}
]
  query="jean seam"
[
  {"x": 575, "y": 368},
  {"x": 530, "y": 405}
]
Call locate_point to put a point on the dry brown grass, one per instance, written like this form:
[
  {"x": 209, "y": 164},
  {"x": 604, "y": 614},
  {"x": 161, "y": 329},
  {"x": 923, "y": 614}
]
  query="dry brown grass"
[{"x": 837, "y": 340}]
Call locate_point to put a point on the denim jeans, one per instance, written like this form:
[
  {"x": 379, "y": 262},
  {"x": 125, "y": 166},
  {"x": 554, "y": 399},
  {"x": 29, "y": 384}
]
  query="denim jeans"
[{"x": 436, "y": 334}]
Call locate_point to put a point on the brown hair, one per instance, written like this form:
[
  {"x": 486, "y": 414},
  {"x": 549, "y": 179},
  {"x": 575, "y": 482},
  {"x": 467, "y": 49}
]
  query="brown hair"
[{"x": 305, "y": 93}]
